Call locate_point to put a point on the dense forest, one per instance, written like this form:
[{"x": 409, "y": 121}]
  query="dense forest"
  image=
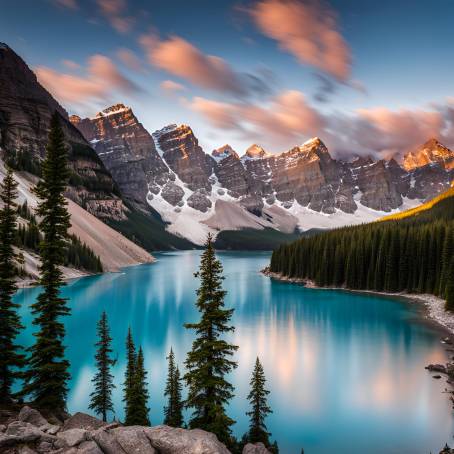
[{"x": 413, "y": 253}]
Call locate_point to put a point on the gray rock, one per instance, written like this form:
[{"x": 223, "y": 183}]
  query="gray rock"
[
  {"x": 44, "y": 446},
  {"x": 133, "y": 440},
  {"x": 24, "y": 431},
  {"x": 107, "y": 442},
  {"x": 27, "y": 450},
  {"x": 32, "y": 416},
  {"x": 88, "y": 447},
  {"x": 199, "y": 201},
  {"x": 73, "y": 437},
  {"x": 2, "y": 427},
  {"x": 172, "y": 193},
  {"x": 256, "y": 448},
  {"x": 83, "y": 421},
  {"x": 169, "y": 440}
]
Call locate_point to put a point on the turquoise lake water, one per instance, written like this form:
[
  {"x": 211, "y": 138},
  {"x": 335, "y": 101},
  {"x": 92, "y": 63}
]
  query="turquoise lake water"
[{"x": 345, "y": 371}]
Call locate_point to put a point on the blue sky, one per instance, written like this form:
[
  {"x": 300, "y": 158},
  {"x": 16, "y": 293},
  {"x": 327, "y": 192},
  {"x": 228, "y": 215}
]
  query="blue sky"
[{"x": 367, "y": 77}]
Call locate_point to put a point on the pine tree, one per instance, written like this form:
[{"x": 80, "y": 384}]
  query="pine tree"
[
  {"x": 11, "y": 357},
  {"x": 48, "y": 375},
  {"x": 450, "y": 287},
  {"x": 128, "y": 385},
  {"x": 259, "y": 407},
  {"x": 138, "y": 410},
  {"x": 173, "y": 415},
  {"x": 210, "y": 358},
  {"x": 101, "y": 397}
]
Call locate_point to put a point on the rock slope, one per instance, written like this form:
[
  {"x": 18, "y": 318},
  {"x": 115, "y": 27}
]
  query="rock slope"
[
  {"x": 25, "y": 112},
  {"x": 114, "y": 250},
  {"x": 29, "y": 432},
  {"x": 302, "y": 188}
]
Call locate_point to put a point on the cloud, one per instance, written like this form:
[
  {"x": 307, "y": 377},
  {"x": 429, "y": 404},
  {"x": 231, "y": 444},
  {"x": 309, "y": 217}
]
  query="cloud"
[
  {"x": 70, "y": 4},
  {"x": 384, "y": 133},
  {"x": 171, "y": 87},
  {"x": 115, "y": 12},
  {"x": 308, "y": 31},
  {"x": 282, "y": 122},
  {"x": 72, "y": 65},
  {"x": 101, "y": 80},
  {"x": 180, "y": 58},
  {"x": 130, "y": 59}
]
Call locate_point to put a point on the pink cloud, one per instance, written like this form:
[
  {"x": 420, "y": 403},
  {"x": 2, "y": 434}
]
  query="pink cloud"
[
  {"x": 283, "y": 122},
  {"x": 171, "y": 87},
  {"x": 115, "y": 12},
  {"x": 180, "y": 58},
  {"x": 72, "y": 65},
  {"x": 130, "y": 59},
  {"x": 101, "y": 80},
  {"x": 306, "y": 30}
]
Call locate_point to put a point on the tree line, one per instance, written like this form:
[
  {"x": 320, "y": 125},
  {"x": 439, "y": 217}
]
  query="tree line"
[
  {"x": 43, "y": 367},
  {"x": 414, "y": 255}
]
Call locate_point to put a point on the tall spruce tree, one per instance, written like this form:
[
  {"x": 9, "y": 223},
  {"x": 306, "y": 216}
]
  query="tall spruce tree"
[
  {"x": 47, "y": 377},
  {"x": 11, "y": 357},
  {"x": 138, "y": 410},
  {"x": 259, "y": 407},
  {"x": 128, "y": 385},
  {"x": 101, "y": 397},
  {"x": 210, "y": 361},
  {"x": 450, "y": 286},
  {"x": 173, "y": 411}
]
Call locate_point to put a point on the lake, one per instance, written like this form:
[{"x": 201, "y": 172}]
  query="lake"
[{"x": 345, "y": 370}]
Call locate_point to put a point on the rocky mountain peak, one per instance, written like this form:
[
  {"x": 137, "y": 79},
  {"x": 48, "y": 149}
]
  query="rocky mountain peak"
[
  {"x": 255, "y": 152},
  {"x": 431, "y": 152},
  {"x": 112, "y": 110},
  {"x": 224, "y": 152}
]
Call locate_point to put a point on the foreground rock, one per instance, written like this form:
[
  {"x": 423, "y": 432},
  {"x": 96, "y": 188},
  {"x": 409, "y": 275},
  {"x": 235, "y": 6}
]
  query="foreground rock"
[{"x": 30, "y": 433}]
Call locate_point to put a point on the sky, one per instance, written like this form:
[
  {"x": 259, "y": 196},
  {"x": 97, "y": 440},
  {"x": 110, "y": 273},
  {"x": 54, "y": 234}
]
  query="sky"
[{"x": 366, "y": 77}]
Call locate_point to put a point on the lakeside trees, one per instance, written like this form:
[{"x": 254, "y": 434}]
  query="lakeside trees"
[
  {"x": 412, "y": 255},
  {"x": 11, "y": 356},
  {"x": 209, "y": 360},
  {"x": 101, "y": 397},
  {"x": 47, "y": 375}
]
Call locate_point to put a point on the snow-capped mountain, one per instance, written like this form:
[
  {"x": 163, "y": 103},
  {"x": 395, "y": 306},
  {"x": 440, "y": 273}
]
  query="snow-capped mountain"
[{"x": 302, "y": 188}]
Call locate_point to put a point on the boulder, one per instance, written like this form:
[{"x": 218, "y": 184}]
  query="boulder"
[
  {"x": 133, "y": 440},
  {"x": 32, "y": 416},
  {"x": 172, "y": 193},
  {"x": 24, "y": 431},
  {"x": 170, "y": 440},
  {"x": 436, "y": 368},
  {"x": 73, "y": 437},
  {"x": 256, "y": 448},
  {"x": 83, "y": 421},
  {"x": 199, "y": 201},
  {"x": 107, "y": 442}
]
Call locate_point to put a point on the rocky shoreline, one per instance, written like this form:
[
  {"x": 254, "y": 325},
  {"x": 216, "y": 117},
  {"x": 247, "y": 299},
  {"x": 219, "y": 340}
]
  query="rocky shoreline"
[
  {"x": 434, "y": 305},
  {"x": 28, "y": 432}
]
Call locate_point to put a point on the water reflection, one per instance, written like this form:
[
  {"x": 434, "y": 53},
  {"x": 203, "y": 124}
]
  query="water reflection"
[{"x": 346, "y": 371}]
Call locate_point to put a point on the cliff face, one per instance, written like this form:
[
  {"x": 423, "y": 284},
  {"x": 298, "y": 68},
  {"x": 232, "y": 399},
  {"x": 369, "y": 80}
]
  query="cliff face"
[
  {"x": 304, "y": 186},
  {"x": 25, "y": 112}
]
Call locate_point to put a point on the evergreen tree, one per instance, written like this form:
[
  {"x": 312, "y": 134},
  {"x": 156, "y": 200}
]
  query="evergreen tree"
[
  {"x": 173, "y": 415},
  {"x": 11, "y": 357},
  {"x": 48, "y": 375},
  {"x": 450, "y": 287},
  {"x": 101, "y": 397},
  {"x": 259, "y": 407},
  {"x": 210, "y": 358},
  {"x": 131, "y": 359},
  {"x": 138, "y": 410}
]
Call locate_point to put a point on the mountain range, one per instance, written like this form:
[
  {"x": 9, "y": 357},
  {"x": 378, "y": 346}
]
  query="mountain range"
[
  {"x": 300, "y": 189},
  {"x": 162, "y": 190}
]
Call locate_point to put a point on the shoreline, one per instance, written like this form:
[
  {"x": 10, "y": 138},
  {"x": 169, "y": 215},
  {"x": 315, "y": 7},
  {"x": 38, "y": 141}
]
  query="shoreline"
[{"x": 433, "y": 305}]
